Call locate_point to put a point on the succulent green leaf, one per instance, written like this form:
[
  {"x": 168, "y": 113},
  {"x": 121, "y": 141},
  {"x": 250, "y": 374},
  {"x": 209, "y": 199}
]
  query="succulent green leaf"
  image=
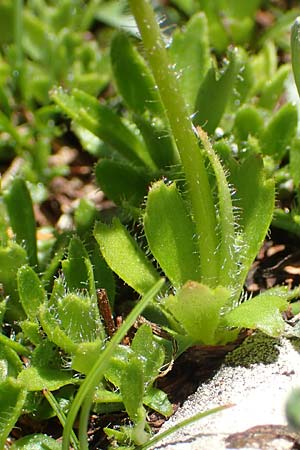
[
  {"x": 189, "y": 51},
  {"x": 122, "y": 182},
  {"x": 255, "y": 196},
  {"x": 10, "y": 363},
  {"x": 133, "y": 77},
  {"x": 77, "y": 317},
  {"x": 295, "y": 50},
  {"x": 197, "y": 308},
  {"x": 149, "y": 352},
  {"x": 262, "y": 312},
  {"x": 31, "y": 331},
  {"x": 295, "y": 161},
  {"x": 36, "y": 442},
  {"x": 51, "y": 326},
  {"x": 20, "y": 210},
  {"x": 248, "y": 122},
  {"x": 39, "y": 378},
  {"x": 103, "y": 275},
  {"x": 170, "y": 234},
  {"x": 11, "y": 258},
  {"x": 292, "y": 409},
  {"x": 274, "y": 88},
  {"x": 102, "y": 121},
  {"x": 214, "y": 95},
  {"x": 46, "y": 370},
  {"x": 74, "y": 268},
  {"x": 12, "y": 398},
  {"x": 280, "y": 132},
  {"x": 125, "y": 257},
  {"x": 132, "y": 391},
  {"x": 31, "y": 291},
  {"x": 158, "y": 401},
  {"x": 85, "y": 355},
  {"x": 226, "y": 220},
  {"x": 84, "y": 216},
  {"x": 132, "y": 387},
  {"x": 159, "y": 141}
]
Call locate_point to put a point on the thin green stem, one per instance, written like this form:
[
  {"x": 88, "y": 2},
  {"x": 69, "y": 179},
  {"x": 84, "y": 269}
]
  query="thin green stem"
[
  {"x": 182, "y": 424},
  {"x": 295, "y": 52},
  {"x": 191, "y": 156},
  {"x": 83, "y": 423},
  {"x": 61, "y": 416},
  {"x": 18, "y": 31},
  {"x": 96, "y": 374}
]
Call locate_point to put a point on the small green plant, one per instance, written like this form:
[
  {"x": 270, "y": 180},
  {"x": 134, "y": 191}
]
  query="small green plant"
[
  {"x": 58, "y": 327},
  {"x": 205, "y": 237}
]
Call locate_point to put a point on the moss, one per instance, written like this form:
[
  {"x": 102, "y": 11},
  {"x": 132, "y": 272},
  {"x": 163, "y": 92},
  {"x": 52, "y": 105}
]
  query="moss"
[{"x": 257, "y": 348}]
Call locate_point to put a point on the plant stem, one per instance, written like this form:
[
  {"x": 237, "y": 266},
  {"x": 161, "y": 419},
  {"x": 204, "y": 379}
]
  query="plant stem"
[
  {"x": 96, "y": 374},
  {"x": 61, "y": 416},
  {"x": 182, "y": 424},
  {"x": 295, "y": 51},
  {"x": 18, "y": 32},
  {"x": 191, "y": 156}
]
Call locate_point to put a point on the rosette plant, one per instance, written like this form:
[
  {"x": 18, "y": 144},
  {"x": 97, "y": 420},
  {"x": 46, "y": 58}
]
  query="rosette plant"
[{"x": 203, "y": 233}]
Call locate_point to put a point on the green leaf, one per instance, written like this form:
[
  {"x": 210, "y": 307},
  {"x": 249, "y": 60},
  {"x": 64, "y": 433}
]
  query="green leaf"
[
  {"x": 36, "y": 442},
  {"x": 158, "y": 401},
  {"x": 104, "y": 277},
  {"x": 149, "y": 352},
  {"x": 248, "y": 122},
  {"x": 255, "y": 196},
  {"x": 54, "y": 333},
  {"x": 133, "y": 77},
  {"x": 12, "y": 398},
  {"x": 77, "y": 317},
  {"x": 159, "y": 141},
  {"x": 46, "y": 370},
  {"x": 170, "y": 234},
  {"x": 132, "y": 387},
  {"x": 103, "y": 122},
  {"x": 84, "y": 216},
  {"x": 197, "y": 308},
  {"x": 261, "y": 312},
  {"x": 214, "y": 94},
  {"x": 295, "y": 50},
  {"x": 189, "y": 51},
  {"x": 10, "y": 363},
  {"x": 279, "y": 132},
  {"x": 274, "y": 88},
  {"x": 39, "y": 378},
  {"x": 31, "y": 291},
  {"x": 74, "y": 268},
  {"x": 132, "y": 391},
  {"x": 20, "y": 210},
  {"x": 122, "y": 182},
  {"x": 295, "y": 161},
  {"x": 85, "y": 355},
  {"x": 11, "y": 258},
  {"x": 226, "y": 219},
  {"x": 125, "y": 257}
]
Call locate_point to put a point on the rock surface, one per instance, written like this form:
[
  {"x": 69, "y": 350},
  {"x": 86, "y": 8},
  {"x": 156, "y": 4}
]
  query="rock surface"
[{"x": 258, "y": 392}]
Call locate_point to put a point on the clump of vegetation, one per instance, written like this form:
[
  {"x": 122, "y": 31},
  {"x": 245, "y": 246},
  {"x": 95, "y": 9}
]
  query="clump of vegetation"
[{"x": 190, "y": 149}]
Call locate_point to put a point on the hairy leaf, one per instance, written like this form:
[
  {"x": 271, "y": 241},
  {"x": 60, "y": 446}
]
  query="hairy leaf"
[
  {"x": 189, "y": 51},
  {"x": 125, "y": 257},
  {"x": 12, "y": 398},
  {"x": 170, "y": 234},
  {"x": 31, "y": 291},
  {"x": 20, "y": 210},
  {"x": 198, "y": 308}
]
